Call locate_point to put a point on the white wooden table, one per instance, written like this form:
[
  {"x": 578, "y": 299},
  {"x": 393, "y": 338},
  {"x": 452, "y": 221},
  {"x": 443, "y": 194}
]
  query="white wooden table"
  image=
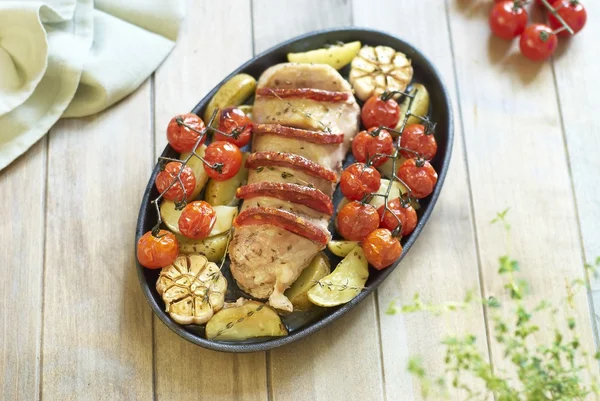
[{"x": 74, "y": 324}]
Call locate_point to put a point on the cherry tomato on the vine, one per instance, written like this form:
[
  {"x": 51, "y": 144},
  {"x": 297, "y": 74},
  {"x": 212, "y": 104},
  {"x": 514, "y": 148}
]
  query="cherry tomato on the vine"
[
  {"x": 377, "y": 112},
  {"x": 156, "y": 252},
  {"x": 181, "y": 138},
  {"x": 355, "y": 220},
  {"x": 415, "y": 138},
  {"x": 572, "y": 11},
  {"x": 507, "y": 20},
  {"x": 197, "y": 219},
  {"x": 381, "y": 248},
  {"x": 420, "y": 177},
  {"x": 369, "y": 143},
  {"x": 358, "y": 179},
  {"x": 538, "y": 42},
  {"x": 169, "y": 174},
  {"x": 405, "y": 212},
  {"x": 224, "y": 159},
  {"x": 234, "y": 122}
]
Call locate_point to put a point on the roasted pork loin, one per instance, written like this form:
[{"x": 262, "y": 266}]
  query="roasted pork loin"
[{"x": 305, "y": 117}]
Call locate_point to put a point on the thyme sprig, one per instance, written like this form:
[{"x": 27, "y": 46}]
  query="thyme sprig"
[
  {"x": 547, "y": 369},
  {"x": 339, "y": 287}
]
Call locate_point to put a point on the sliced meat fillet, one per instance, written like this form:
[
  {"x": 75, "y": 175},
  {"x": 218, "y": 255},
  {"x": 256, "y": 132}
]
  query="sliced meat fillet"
[
  {"x": 266, "y": 259},
  {"x": 289, "y": 175},
  {"x": 296, "y": 75}
]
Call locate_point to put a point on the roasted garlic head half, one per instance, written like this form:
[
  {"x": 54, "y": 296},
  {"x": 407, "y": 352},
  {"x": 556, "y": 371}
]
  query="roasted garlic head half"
[
  {"x": 378, "y": 69},
  {"x": 192, "y": 288}
]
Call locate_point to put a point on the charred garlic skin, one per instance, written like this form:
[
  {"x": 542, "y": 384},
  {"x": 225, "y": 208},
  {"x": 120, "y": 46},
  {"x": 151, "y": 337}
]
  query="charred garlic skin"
[
  {"x": 378, "y": 69},
  {"x": 192, "y": 288}
]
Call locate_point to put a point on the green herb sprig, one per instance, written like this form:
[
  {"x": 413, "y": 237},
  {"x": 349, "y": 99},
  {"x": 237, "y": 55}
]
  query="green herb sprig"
[{"x": 555, "y": 368}]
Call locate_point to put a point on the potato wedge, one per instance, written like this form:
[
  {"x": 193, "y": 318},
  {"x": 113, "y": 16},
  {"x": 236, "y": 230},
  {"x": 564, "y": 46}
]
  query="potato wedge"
[
  {"x": 346, "y": 282},
  {"x": 223, "y": 192},
  {"x": 225, "y": 216},
  {"x": 318, "y": 268},
  {"x": 212, "y": 247},
  {"x": 420, "y": 106},
  {"x": 247, "y": 109},
  {"x": 233, "y": 93},
  {"x": 198, "y": 168},
  {"x": 341, "y": 248},
  {"x": 245, "y": 319},
  {"x": 336, "y": 56}
]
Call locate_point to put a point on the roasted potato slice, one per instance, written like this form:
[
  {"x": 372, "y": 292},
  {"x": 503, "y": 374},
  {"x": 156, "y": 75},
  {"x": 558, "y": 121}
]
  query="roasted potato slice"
[
  {"x": 420, "y": 106},
  {"x": 225, "y": 216},
  {"x": 192, "y": 288},
  {"x": 341, "y": 248},
  {"x": 345, "y": 283},
  {"x": 198, "y": 169},
  {"x": 336, "y": 56},
  {"x": 213, "y": 248},
  {"x": 233, "y": 93},
  {"x": 223, "y": 192},
  {"x": 298, "y": 293},
  {"x": 243, "y": 320}
]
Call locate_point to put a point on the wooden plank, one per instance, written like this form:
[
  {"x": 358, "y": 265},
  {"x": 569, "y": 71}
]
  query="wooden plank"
[
  {"x": 97, "y": 332},
  {"x": 440, "y": 269},
  {"x": 516, "y": 159},
  {"x": 578, "y": 101},
  {"x": 22, "y": 249},
  {"x": 215, "y": 39},
  {"x": 351, "y": 344}
]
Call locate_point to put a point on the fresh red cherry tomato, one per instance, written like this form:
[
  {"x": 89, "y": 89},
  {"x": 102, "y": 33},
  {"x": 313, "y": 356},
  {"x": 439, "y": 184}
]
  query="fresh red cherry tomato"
[
  {"x": 380, "y": 113},
  {"x": 224, "y": 160},
  {"x": 572, "y": 11},
  {"x": 182, "y": 138},
  {"x": 538, "y": 42},
  {"x": 358, "y": 179},
  {"x": 156, "y": 252},
  {"x": 416, "y": 138},
  {"x": 235, "y": 123},
  {"x": 197, "y": 219},
  {"x": 367, "y": 144},
  {"x": 381, "y": 248},
  {"x": 507, "y": 20},
  {"x": 420, "y": 177},
  {"x": 168, "y": 175},
  {"x": 355, "y": 220},
  {"x": 404, "y": 211}
]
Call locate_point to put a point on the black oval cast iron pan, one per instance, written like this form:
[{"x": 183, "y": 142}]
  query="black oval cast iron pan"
[{"x": 301, "y": 324}]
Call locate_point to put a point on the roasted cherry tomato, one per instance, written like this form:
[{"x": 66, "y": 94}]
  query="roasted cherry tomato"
[
  {"x": 181, "y": 138},
  {"x": 156, "y": 252},
  {"x": 538, "y": 42},
  {"x": 381, "y": 248},
  {"x": 405, "y": 212},
  {"x": 415, "y": 138},
  {"x": 358, "y": 179},
  {"x": 224, "y": 159},
  {"x": 572, "y": 11},
  {"x": 355, "y": 220},
  {"x": 367, "y": 144},
  {"x": 169, "y": 174},
  {"x": 419, "y": 175},
  {"x": 378, "y": 112},
  {"x": 197, "y": 219},
  {"x": 235, "y": 123},
  {"x": 507, "y": 20}
]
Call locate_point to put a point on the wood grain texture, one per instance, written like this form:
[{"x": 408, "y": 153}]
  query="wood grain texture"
[
  {"x": 342, "y": 360},
  {"x": 97, "y": 326},
  {"x": 214, "y": 40},
  {"x": 516, "y": 159},
  {"x": 21, "y": 262},
  {"x": 438, "y": 269},
  {"x": 579, "y": 98}
]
